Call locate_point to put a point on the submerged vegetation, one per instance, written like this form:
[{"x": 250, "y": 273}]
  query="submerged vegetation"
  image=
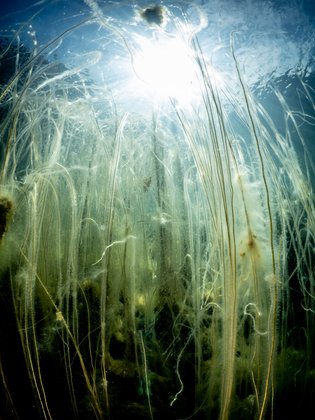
[{"x": 154, "y": 264}]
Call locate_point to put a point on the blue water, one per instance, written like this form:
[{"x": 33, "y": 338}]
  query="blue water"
[
  {"x": 274, "y": 43},
  {"x": 272, "y": 37}
]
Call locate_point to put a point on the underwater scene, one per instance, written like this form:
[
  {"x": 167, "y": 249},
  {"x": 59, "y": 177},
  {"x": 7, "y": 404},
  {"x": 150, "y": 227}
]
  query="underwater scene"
[{"x": 157, "y": 212}]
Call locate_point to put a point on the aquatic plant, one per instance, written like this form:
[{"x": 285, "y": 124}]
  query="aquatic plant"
[{"x": 156, "y": 263}]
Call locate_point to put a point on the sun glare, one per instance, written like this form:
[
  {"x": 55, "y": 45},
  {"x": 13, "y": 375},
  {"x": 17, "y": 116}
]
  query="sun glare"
[{"x": 167, "y": 67}]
